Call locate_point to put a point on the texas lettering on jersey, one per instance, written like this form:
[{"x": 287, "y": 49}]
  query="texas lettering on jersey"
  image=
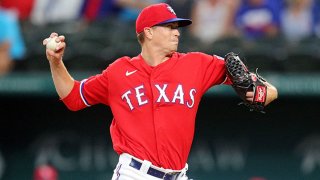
[{"x": 178, "y": 96}]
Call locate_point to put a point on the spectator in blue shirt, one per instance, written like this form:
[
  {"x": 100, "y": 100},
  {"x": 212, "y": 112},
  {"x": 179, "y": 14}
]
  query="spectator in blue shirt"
[
  {"x": 257, "y": 19},
  {"x": 12, "y": 45}
]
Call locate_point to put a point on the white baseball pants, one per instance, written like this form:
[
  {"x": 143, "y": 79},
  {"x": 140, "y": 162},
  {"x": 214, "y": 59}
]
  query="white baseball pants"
[{"x": 125, "y": 171}]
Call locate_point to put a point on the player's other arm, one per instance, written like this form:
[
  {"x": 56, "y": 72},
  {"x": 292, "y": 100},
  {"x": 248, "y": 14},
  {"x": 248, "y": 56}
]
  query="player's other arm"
[{"x": 63, "y": 81}]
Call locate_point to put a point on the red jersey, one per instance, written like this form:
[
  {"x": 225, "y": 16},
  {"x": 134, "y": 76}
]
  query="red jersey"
[{"x": 154, "y": 108}]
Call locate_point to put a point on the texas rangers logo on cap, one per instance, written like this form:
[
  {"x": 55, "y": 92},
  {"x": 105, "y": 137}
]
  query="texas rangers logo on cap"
[
  {"x": 171, "y": 10},
  {"x": 158, "y": 14}
]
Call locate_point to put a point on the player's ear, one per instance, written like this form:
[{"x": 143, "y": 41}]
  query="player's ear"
[{"x": 148, "y": 32}]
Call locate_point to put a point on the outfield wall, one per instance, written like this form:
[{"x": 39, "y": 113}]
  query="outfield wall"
[{"x": 231, "y": 143}]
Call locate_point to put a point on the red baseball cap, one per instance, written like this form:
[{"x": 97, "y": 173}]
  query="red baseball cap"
[{"x": 158, "y": 14}]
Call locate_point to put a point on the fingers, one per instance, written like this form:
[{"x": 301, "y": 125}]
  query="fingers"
[
  {"x": 52, "y": 35},
  {"x": 249, "y": 96},
  {"x": 249, "y": 99},
  {"x": 61, "y": 42},
  {"x": 60, "y": 38}
]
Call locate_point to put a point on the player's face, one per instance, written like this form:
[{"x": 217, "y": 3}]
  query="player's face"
[{"x": 167, "y": 36}]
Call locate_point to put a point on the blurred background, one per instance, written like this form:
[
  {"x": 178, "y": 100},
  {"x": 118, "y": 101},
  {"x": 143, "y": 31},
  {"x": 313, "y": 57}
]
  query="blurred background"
[{"x": 40, "y": 139}]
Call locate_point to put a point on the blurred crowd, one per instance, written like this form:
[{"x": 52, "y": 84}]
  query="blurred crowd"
[{"x": 213, "y": 20}]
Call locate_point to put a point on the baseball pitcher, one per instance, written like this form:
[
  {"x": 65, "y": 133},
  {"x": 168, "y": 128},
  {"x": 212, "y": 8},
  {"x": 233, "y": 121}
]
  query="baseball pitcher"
[{"x": 154, "y": 96}]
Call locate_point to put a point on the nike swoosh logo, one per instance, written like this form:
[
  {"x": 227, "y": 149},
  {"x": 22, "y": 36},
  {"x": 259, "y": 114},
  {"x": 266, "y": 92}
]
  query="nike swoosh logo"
[{"x": 128, "y": 73}]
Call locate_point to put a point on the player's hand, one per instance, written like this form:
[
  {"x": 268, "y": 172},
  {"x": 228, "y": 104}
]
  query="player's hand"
[
  {"x": 272, "y": 94},
  {"x": 249, "y": 96},
  {"x": 55, "y": 56}
]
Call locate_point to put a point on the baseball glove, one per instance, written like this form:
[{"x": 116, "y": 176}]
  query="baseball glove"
[{"x": 243, "y": 81}]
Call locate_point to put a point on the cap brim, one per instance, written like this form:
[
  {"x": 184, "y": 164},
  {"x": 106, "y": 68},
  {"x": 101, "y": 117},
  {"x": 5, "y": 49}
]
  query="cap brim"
[{"x": 182, "y": 22}]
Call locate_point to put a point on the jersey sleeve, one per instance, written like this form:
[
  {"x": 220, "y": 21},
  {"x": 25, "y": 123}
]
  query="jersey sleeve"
[
  {"x": 88, "y": 92},
  {"x": 95, "y": 89},
  {"x": 215, "y": 71},
  {"x": 72, "y": 100}
]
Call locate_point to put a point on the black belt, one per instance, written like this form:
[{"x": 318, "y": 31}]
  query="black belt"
[{"x": 154, "y": 172}]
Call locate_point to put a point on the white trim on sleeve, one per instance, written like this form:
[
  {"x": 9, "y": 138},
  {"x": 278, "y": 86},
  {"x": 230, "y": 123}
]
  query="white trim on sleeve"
[{"x": 81, "y": 94}]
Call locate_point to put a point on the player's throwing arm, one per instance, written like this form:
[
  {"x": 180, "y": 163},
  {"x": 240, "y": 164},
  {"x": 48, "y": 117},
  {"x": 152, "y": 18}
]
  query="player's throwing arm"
[{"x": 55, "y": 47}]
